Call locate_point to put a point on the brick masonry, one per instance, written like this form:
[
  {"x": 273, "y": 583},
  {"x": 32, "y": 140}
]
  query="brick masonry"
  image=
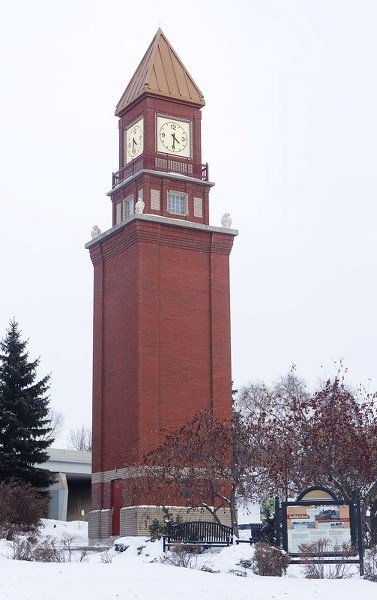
[
  {"x": 140, "y": 518},
  {"x": 161, "y": 336},
  {"x": 136, "y": 520}
]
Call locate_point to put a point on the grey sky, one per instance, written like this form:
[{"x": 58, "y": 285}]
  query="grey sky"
[{"x": 289, "y": 132}]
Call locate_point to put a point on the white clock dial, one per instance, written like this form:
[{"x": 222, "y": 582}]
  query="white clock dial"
[
  {"x": 134, "y": 141},
  {"x": 173, "y": 136}
]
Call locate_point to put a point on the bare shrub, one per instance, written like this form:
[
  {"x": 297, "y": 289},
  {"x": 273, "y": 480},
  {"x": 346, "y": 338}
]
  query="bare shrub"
[
  {"x": 106, "y": 558},
  {"x": 66, "y": 545},
  {"x": 208, "y": 569},
  {"x": 48, "y": 551},
  {"x": 182, "y": 555},
  {"x": 314, "y": 557},
  {"x": 22, "y": 548},
  {"x": 237, "y": 572},
  {"x": 370, "y": 565},
  {"x": 29, "y": 549},
  {"x": 269, "y": 561},
  {"x": 83, "y": 556},
  {"x": 245, "y": 563},
  {"x": 9, "y": 532},
  {"x": 21, "y": 508}
]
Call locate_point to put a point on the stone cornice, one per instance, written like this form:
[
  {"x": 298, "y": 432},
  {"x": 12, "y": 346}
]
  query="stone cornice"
[
  {"x": 161, "y": 230},
  {"x": 168, "y": 174}
]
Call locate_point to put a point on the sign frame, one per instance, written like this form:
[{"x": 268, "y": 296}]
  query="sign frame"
[{"x": 318, "y": 511}]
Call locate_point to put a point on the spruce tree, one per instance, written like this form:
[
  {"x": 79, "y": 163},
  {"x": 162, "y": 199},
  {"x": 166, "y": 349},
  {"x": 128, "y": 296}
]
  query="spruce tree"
[{"x": 24, "y": 414}]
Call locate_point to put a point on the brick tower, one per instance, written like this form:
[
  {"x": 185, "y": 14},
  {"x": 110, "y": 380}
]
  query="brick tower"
[{"x": 161, "y": 347}]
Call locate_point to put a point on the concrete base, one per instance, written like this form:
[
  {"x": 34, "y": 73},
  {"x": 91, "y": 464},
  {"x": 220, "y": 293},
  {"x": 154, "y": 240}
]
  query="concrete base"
[
  {"x": 58, "y": 493},
  {"x": 99, "y": 525},
  {"x": 136, "y": 520}
]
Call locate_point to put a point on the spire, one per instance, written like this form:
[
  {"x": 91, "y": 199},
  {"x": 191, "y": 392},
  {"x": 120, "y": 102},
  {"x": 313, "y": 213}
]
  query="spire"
[{"x": 161, "y": 73}]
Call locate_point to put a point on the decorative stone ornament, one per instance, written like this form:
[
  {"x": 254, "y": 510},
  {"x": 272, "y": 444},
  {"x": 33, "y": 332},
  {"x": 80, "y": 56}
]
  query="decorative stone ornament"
[
  {"x": 226, "y": 221},
  {"x": 95, "y": 231},
  {"x": 139, "y": 206}
]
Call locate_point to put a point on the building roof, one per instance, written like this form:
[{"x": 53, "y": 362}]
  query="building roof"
[
  {"x": 161, "y": 73},
  {"x": 75, "y": 464},
  {"x": 70, "y": 455}
]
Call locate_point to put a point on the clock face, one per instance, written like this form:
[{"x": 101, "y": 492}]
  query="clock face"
[
  {"x": 173, "y": 137},
  {"x": 134, "y": 141}
]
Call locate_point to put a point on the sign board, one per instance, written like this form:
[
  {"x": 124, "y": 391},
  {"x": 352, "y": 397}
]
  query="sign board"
[
  {"x": 308, "y": 523},
  {"x": 317, "y": 514}
]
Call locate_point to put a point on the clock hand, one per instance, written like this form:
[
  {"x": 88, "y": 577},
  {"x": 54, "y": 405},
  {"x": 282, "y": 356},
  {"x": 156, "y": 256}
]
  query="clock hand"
[{"x": 174, "y": 140}]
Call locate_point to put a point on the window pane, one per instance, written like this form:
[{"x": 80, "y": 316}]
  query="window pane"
[
  {"x": 177, "y": 203},
  {"x": 128, "y": 207}
]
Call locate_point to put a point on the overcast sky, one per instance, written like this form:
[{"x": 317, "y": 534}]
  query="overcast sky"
[{"x": 289, "y": 131}]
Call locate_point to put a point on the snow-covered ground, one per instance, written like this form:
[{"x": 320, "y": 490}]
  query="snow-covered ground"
[{"x": 138, "y": 574}]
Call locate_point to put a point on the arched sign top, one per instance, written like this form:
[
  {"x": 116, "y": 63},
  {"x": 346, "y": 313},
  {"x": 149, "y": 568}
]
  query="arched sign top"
[{"x": 316, "y": 493}]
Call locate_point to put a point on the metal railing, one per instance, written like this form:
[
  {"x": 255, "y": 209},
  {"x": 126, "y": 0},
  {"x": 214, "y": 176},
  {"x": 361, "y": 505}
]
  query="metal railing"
[{"x": 161, "y": 162}]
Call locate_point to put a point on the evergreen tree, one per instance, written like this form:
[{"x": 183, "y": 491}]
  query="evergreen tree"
[{"x": 24, "y": 414}]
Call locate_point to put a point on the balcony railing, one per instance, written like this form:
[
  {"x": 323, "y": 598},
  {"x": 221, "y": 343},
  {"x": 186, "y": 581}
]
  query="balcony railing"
[{"x": 165, "y": 163}]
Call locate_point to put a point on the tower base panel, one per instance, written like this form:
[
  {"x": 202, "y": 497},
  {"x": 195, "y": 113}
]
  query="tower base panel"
[{"x": 141, "y": 520}]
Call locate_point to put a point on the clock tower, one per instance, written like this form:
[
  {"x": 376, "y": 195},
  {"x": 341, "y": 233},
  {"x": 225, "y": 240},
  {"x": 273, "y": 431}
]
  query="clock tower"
[{"x": 161, "y": 331}]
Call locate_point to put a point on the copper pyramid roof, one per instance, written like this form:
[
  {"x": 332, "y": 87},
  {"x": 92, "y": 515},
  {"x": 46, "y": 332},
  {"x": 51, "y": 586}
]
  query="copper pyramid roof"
[{"x": 161, "y": 73}]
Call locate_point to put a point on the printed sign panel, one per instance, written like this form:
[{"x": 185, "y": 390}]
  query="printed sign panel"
[{"x": 309, "y": 523}]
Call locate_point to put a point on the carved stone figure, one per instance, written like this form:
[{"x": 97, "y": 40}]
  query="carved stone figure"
[
  {"x": 226, "y": 221},
  {"x": 139, "y": 206},
  {"x": 95, "y": 231}
]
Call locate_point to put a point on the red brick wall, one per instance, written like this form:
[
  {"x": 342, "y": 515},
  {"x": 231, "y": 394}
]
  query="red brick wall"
[
  {"x": 161, "y": 336},
  {"x": 147, "y": 182}
]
